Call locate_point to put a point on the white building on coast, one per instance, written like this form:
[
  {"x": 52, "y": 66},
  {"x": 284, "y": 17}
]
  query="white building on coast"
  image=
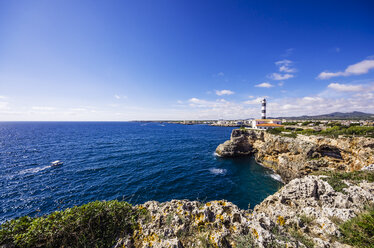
[{"x": 264, "y": 123}]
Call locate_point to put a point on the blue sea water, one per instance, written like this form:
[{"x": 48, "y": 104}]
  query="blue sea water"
[{"x": 129, "y": 161}]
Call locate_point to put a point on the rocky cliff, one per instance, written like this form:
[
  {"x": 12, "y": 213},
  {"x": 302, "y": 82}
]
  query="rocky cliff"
[
  {"x": 304, "y": 213},
  {"x": 294, "y": 157}
]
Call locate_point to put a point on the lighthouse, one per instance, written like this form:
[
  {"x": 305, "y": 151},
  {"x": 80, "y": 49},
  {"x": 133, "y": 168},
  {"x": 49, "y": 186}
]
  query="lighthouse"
[
  {"x": 263, "y": 109},
  {"x": 263, "y": 123}
]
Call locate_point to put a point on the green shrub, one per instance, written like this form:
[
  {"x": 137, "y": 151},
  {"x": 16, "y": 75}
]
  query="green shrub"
[
  {"x": 245, "y": 241},
  {"x": 335, "y": 131},
  {"x": 336, "y": 179},
  {"x": 305, "y": 123},
  {"x": 96, "y": 224},
  {"x": 359, "y": 231},
  {"x": 276, "y": 130},
  {"x": 302, "y": 238},
  {"x": 305, "y": 219},
  {"x": 290, "y": 135},
  {"x": 332, "y": 124}
]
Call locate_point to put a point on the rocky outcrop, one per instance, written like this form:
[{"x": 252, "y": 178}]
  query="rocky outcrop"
[
  {"x": 295, "y": 157},
  {"x": 304, "y": 213},
  {"x": 313, "y": 208}
]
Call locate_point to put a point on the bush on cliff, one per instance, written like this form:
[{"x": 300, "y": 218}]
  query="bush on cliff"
[
  {"x": 276, "y": 130},
  {"x": 336, "y": 179},
  {"x": 359, "y": 231},
  {"x": 96, "y": 224}
]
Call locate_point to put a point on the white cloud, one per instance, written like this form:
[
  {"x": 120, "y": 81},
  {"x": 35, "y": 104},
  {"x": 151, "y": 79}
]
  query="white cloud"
[
  {"x": 277, "y": 76},
  {"x": 362, "y": 67},
  {"x": 327, "y": 75},
  {"x": 283, "y": 62},
  {"x": 285, "y": 66},
  {"x": 342, "y": 98},
  {"x": 281, "y": 84},
  {"x": 220, "y": 74},
  {"x": 78, "y": 109},
  {"x": 4, "y": 105},
  {"x": 264, "y": 85},
  {"x": 194, "y": 100},
  {"x": 44, "y": 108},
  {"x": 254, "y": 101},
  {"x": 359, "y": 68},
  {"x": 118, "y": 97},
  {"x": 224, "y": 92},
  {"x": 345, "y": 87},
  {"x": 312, "y": 99}
]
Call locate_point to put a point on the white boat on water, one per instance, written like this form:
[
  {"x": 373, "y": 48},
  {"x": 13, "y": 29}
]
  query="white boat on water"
[{"x": 56, "y": 163}]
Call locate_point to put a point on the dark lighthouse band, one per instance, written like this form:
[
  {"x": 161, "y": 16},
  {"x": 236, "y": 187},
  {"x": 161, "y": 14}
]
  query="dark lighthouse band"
[{"x": 263, "y": 109}]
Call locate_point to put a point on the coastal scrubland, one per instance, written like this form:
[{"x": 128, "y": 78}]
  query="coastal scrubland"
[{"x": 333, "y": 131}]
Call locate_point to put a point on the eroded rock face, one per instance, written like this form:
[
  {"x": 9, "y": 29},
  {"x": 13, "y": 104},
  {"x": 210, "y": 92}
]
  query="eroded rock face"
[
  {"x": 307, "y": 207},
  {"x": 313, "y": 206},
  {"x": 295, "y": 157}
]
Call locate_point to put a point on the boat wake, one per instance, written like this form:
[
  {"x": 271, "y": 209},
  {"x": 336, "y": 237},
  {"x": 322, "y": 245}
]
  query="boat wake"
[{"x": 33, "y": 170}]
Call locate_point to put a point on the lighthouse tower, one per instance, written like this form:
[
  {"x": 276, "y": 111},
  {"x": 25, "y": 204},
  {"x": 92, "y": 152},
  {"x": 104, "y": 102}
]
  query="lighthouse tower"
[{"x": 263, "y": 109}]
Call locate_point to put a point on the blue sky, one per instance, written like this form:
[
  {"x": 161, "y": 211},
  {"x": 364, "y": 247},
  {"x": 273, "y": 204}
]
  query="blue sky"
[{"x": 127, "y": 60}]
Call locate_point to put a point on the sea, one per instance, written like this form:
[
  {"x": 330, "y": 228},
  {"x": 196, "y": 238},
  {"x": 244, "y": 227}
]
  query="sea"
[{"x": 130, "y": 161}]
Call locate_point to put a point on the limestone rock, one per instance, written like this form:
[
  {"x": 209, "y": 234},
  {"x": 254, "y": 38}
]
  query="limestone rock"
[
  {"x": 306, "y": 207},
  {"x": 295, "y": 157}
]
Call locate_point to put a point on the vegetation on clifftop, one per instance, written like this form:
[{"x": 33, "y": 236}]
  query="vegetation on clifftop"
[
  {"x": 338, "y": 180},
  {"x": 96, "y": 224},
  {"x": 334, "y": 131},
  {"x": 359, "y": 231}
]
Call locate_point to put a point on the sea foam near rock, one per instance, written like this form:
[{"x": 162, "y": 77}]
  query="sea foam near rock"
[{"x": 276, "y": 177}]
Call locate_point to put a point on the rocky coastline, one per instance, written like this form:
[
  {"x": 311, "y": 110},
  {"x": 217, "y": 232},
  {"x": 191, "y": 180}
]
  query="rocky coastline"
[
  {"x": 296, "y": 157},
  {"x": 308, "y": 211},
  {"x": 304, "y": 213}
]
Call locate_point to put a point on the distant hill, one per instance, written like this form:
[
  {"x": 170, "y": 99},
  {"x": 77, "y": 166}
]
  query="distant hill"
[{"x": 334, "y": 116}]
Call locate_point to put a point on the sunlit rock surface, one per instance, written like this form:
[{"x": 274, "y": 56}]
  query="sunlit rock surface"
[
  {"x": 295, "y": 157},
  {"x": 305, "y": 211}
]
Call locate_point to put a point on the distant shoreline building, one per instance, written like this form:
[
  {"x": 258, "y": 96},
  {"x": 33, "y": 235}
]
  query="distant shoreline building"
[{"x": 264, "y": 123}]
